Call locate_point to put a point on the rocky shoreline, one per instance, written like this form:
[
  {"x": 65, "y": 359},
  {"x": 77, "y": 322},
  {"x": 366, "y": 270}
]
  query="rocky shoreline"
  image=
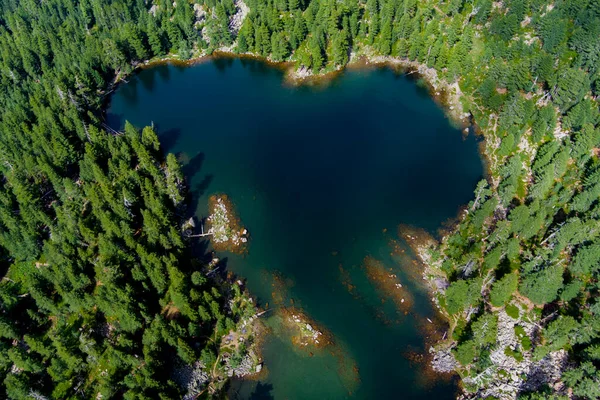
[{"x": 514, "y": 367}]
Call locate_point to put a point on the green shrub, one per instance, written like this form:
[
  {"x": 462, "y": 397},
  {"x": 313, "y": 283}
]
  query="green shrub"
[
  {"x": 514, "y": 354},
  {"x": 523, "y": 337},
  {"x": 512, "y": 311}
]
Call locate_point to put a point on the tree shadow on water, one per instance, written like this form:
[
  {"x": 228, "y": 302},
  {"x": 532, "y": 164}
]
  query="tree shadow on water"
[
  {"x": 148, "y": 79},
  {"x": 200, "y": 249},
  {"x": 196, "y": 193},
  {"x": 168, "y": 138},
  {"x": 130, "y": 91},
  {"x": 192, "y": 167},
  {"x": 222, "y": 63},
  {"x": 196, "y": 190},
  {"x": 164, "y": 72},
  {"x": 114, "y": 120},
  {"x": 262, "y": 392},
  {"x": 258, "y": 68}
]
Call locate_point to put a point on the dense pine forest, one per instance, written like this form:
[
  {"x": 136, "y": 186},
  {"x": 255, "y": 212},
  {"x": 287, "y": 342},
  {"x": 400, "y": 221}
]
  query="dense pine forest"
[{"x": 101, "y": 296}]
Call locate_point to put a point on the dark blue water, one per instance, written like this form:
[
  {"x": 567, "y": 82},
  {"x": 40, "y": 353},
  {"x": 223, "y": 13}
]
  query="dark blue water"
[{"x": 322, "y": 177}]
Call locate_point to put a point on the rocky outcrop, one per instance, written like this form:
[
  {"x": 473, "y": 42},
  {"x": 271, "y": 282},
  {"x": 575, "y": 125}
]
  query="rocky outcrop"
[
  {"x": 248, "y": 366},
  {"x": 443, "y": 360},
  {"x": 199, "y": 12},
  {"x": 507, "y": 376},
  {"x": 299, "y": 74},
  {"x": 193, "y": 378},
  {"x": 237, "y": 19}
]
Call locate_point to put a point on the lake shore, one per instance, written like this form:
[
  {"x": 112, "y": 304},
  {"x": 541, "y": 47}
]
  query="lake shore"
[{"x": 447, "y": 95}]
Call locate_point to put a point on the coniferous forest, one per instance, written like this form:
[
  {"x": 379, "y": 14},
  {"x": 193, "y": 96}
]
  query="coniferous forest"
[{"x": 102, "y": 296}]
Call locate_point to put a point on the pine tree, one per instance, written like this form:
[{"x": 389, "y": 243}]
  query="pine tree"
[
  {"x": 155, "y": 40},
  {"x": 279, "y": 46},
  {"x": 341, "y": 47},
  {"x": 316, "y": 54}
]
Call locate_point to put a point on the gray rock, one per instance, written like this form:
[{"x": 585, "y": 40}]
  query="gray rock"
[{"x": 443, "y": 360}]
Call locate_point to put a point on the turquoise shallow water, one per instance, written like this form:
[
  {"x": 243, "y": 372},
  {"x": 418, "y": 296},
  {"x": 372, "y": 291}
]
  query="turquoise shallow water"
[{"x": 321, "y": 177}]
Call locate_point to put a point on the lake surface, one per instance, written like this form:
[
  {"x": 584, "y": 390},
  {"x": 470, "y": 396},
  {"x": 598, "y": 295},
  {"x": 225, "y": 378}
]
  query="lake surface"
[{"x": 322, "y": 177}]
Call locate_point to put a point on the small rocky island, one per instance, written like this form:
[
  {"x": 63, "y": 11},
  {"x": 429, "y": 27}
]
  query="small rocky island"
[{"x": 225, "y": 227}]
